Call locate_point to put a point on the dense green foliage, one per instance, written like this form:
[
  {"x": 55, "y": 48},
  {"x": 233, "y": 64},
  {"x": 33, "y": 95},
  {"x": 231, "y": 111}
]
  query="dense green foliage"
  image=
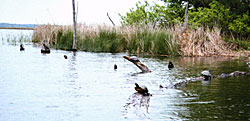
[
  {"x": 154, "y": 42},
  {"x": 104, "y": 41},
  {"x": 232, "y": 16},
  {"x": 64, "y": 40}
]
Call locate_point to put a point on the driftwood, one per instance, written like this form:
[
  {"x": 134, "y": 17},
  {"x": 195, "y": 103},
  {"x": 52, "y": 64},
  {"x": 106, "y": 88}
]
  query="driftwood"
[
  {"x": 138, "y": 103},
  {"x": 138, "y": 64}
]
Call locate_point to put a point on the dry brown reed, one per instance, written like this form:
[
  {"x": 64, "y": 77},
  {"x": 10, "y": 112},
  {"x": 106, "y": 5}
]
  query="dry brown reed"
[
  {"x": 48, "y": 32},
  {"x": 205, "y": 42}
]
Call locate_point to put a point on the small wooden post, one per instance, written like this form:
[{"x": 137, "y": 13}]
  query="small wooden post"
[{"x": 74, "y": 22}]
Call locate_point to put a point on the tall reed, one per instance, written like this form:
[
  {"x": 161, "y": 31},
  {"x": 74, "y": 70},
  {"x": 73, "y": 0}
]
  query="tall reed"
[
  {"x": 197, "y": 41},
  {"x": 135, "y": 40},
  {"x": 202, "y": 41}
]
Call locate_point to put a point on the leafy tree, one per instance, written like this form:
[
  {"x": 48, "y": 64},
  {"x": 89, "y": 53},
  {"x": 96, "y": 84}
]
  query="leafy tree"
[
  {"x": 146, "y": 14},
  {"x": 137, "y": 16},
  {"x": 216, "y": 14},
  {"x": 230, "y": 15},
  {"x": 241, "y": 25}
]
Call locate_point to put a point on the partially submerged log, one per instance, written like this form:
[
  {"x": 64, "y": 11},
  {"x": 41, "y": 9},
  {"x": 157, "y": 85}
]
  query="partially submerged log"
[
  {"x": 137, "y": 62},
  {"x": 138, "y": 103},
  {"x": 206, "y": 77},
  {"x": 233, "y": 74}
]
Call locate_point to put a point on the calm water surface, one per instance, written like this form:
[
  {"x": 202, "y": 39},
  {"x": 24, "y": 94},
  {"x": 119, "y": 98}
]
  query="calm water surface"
[{"x": 85, "y": 87}]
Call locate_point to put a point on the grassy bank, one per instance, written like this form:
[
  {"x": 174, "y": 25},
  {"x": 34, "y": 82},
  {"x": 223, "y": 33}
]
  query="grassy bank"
[
  {"x": 138, "y": 40},
  {"x": 135, "y": 40}
]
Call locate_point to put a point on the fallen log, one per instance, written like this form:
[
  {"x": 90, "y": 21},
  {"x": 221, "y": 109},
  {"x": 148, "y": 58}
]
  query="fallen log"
[
  {"x": 137, "y": 62},
  {"x": 206, "y": 76}
]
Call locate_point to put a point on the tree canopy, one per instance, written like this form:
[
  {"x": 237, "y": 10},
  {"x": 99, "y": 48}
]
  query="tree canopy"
[{"x": 232, "y": 16}]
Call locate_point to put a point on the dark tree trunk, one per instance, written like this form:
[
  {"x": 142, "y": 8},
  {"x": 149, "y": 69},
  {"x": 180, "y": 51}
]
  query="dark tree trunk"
[{"x": 74, "y": 22}]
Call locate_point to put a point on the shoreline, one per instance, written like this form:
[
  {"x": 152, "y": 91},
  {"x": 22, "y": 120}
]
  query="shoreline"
[{"x": 22, "y": 28}]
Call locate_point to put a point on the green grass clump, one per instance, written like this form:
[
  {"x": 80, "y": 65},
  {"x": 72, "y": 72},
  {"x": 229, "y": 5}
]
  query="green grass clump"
[
  {"x": 105, "y": 41},
  {"x": 64, "y": 40},
  {"x": 154, "y": 42}
]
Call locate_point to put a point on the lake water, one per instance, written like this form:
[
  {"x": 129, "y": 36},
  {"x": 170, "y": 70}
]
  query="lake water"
[{"x": 85, "y": 87}]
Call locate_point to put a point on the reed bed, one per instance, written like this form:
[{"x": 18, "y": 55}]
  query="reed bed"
[
  {"x": 135, "y": 40},
  {"x": 15, "y": 37},
  {"x": 202, "y": 41},
  {"x": 145, "y": 40}
]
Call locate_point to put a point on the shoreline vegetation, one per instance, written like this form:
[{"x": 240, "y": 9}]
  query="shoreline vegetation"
[
  {"x": 143, "y": 40},
  {"x": 131, "y": 39},
  {"x": 212, "y": 28}
]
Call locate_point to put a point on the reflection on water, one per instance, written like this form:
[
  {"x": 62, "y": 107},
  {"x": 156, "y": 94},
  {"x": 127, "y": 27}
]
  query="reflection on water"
[
  {"x": 34, "y": 86},
  {"x": 137, "y": 107}
]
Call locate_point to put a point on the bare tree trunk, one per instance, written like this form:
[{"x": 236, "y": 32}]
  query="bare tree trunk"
[
  {"x": 186, "y": 18},
  {"x": 74, "y": 22},
  {"x": 110, "y": 19}
]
